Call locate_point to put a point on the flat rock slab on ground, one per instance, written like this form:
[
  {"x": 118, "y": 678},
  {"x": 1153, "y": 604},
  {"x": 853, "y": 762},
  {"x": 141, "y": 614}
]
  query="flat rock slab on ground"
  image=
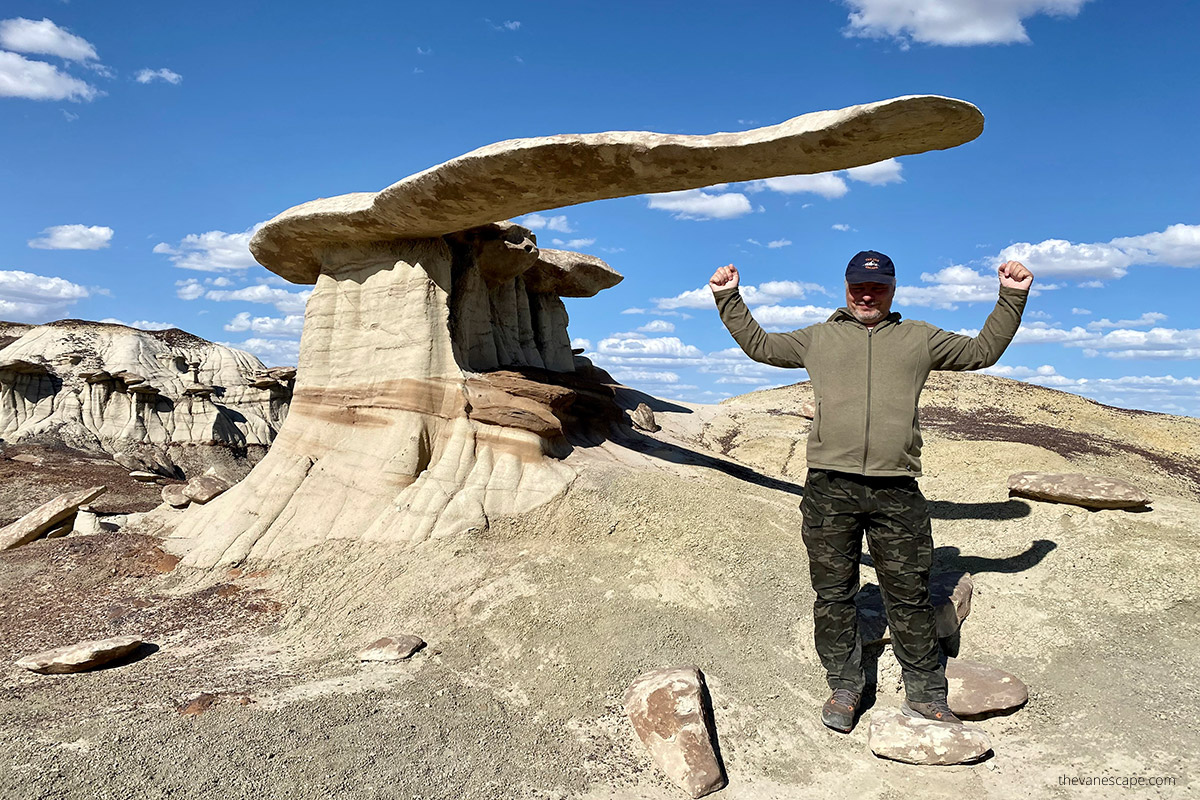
[
  {"x": 46, "y": 517},
  {"x": 391, "y": 648},
  {"x": 666, "y": 708},
  {"x": 204, "y": 488},
  {"x": 922, "y": 741},
  {"x": 80, "y": 657},
  {"x": 1089, "y": 491},
  {"x": 977, "y": 689}
]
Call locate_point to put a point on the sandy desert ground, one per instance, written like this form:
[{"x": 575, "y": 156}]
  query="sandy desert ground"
[{"x": 680, "y": 547}]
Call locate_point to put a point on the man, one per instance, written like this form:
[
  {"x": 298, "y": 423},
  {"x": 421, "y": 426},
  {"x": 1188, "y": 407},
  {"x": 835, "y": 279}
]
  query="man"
[{"x": 868, "y": 368}]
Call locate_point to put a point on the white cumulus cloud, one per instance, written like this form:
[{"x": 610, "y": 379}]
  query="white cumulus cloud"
[
  {"x": 537, "y": 222},
  {"x": 952, "y": 22},
  {"x": 1176, "y": 246},
  {"x": 877, "y": 174},
  {"x": 657, "y": 326},
  {"x": 73, "y": 237},
  {"x": 290, "y": 325},
  {"x": 283, "y": 300},
  {"x": 37, "y": 80},
  {"x": 213, "y": 251},
  {"x": 26, "y": 297},
  {"x": 701, "y": 205},
  {"x": 272, "y": 352},
  {"x": 141, "y": 324},
  {"x": 164, "y": 74},
  {"x": 778, "y": 243},
  {"x": 827, "y": 184},
  {"x": 44, "y": 38}
]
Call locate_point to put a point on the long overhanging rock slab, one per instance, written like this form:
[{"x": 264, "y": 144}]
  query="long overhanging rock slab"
[{"x": 519, "y": 176}]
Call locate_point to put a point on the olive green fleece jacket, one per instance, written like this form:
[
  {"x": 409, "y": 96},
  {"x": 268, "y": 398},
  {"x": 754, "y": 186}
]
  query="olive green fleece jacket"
[{"x": 867, "y": 380}]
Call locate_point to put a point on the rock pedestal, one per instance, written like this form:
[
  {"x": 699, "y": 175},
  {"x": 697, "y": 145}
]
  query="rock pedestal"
[
  {"x": 46, "y": 517},
  {"x": 396, "y": 432}
]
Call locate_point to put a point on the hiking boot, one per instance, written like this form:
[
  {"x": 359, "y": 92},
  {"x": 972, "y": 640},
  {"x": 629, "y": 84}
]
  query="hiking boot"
[
  {"x": 937, "y": 710},
  {"x": 838, "y": 712}
]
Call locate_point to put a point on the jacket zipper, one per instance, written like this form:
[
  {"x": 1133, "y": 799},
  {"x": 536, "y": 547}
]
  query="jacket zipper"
[{"x": 867, "y": 436}]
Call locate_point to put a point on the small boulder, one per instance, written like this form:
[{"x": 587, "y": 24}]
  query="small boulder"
[
  {"x": 808, "y": 410},
  {"x": 1089, "y": 491},
  {"x": 977, "y": 689},
  {"x": 173, "y": 494},
  {"x": 667, "y": 711},
  {"x": 29, "y": 458},
  {"x": 144, "y": 476},
  {"x": 643, "y": 419},
  {"x": 46, "y": 517},
  {"x": 80, "y": 657},
  {"x": 391, "y": 648},
  {"x": 204, "y": 488},
  {"x": 951, "y": 593},
  {"x": 923, "y": 741}
]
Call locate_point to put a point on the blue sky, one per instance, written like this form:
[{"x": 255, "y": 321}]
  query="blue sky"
[{"x": 143, "y": 142}]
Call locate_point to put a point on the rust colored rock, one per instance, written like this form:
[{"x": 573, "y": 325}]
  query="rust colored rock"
[
  {"x": 808, "y": 410},
  {"x": 666, "y": 709},
  {"x": 922, "y": 741},
  {"x": 80, "y": 657},
  {"x": 391, "y": 648},
  {"x": 46, "y": 517},
  {"x": 1089, "y": 491},
  {"x": 977, "y": 689},
  {"x": 173, "y": 495},
  {"x": 198, "y": 705},
  {"x": 204, "y": 488}
]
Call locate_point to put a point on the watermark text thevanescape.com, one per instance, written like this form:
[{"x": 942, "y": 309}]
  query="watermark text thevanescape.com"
[{"x": 1124, "y": 781}]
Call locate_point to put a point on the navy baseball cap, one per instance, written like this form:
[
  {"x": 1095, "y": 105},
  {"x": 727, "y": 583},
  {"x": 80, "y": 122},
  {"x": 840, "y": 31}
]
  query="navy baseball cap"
[{"x": 870, "y": 266}]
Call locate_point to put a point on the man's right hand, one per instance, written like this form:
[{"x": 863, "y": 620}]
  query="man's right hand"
[{"x": 724, "y": 278}]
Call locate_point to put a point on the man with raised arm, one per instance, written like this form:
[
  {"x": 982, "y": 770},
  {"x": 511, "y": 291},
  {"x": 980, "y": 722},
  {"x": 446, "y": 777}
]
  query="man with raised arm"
[{"x": 868, "y": 367}]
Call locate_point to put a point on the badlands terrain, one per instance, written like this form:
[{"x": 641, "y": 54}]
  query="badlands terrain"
[{"x": 672, "y": 548}]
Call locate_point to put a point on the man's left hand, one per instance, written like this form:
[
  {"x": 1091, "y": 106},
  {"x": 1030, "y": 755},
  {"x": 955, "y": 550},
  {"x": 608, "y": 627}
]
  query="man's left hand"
[{"x": 1015, "y": 275}]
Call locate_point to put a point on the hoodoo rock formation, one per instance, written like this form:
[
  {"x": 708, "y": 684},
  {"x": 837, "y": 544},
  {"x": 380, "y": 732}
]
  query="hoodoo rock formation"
[
  {"x": 154, "y": 400},
  {"x": 436, "y": 384}
]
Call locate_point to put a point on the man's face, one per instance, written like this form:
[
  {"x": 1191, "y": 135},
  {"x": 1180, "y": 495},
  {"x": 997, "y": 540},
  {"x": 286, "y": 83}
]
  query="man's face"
[{"x": 870, "y": 302}]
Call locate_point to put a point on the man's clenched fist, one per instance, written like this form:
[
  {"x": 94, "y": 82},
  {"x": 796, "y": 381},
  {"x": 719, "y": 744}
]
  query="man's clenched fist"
[
  {"x": 724, "y": 278},
  {"x": 1015, "y": 275}
]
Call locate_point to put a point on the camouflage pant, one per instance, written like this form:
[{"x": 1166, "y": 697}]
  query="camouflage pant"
[{"x": 838, "y": 507}]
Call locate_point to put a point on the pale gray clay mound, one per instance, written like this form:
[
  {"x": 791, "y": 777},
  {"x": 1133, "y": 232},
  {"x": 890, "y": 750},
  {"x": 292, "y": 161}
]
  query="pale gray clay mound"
[{"x": 164, "y": 402}]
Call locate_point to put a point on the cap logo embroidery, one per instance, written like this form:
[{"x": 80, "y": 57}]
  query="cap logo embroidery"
[{"x": 871, "y": 263}]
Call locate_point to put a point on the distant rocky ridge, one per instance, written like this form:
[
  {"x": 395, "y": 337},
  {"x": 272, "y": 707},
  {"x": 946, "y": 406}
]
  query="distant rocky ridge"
[{"x": 166, "y": 401}]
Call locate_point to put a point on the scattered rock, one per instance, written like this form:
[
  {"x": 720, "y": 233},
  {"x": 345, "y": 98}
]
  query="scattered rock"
[
  {"x": 174, "y": 494},
  {"x": 643, "y": 419},
  {"x": 391, "y": 648},
  {"x": 62, "y": 528},
  {"x": 28, "y": 458},
  {"x": 80, "y": 657},
  {"x": 666, "y": 708},
  {"x": 198, "y": 705},
  {"x": 1089, "y": 491},
  {"x": 951, "y": 593},
  {"x": 204, "y": 488},
  {"x": 808, "y": 410},
  {"x": 977, "y": 689},
  {"x": 923, "y": 741},
  {"x": 144, "y": 476},
  {"x": 46, "y": 516}
]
